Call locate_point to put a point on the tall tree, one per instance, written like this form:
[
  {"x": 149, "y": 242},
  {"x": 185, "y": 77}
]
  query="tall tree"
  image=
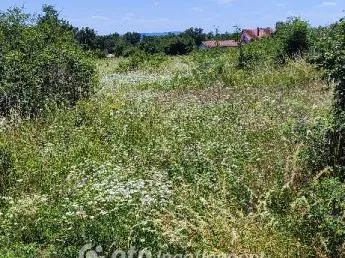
[
  {"x": 87, "y": 38},
  {"x": 196, "y": 34},
  {"x": 132, "y": 37}
]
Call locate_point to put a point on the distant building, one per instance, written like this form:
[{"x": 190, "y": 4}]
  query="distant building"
[
  {"x": 221, "y": 44},
  {"x": 249, "y": 35}
]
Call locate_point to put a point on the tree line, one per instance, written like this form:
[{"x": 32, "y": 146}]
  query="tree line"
[{"x": 132, "y": 42}]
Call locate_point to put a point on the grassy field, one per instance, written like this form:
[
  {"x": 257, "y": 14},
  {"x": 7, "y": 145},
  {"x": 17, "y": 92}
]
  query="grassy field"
[{"x": 180, "y": 153}]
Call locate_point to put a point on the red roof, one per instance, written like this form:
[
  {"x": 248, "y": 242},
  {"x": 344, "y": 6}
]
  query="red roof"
[
  {"x": 266, "y": 32},
  {"x": 258, "y": 33},
  {"x": 252, "y": 33},
  {"x": 222, "y": 43}
]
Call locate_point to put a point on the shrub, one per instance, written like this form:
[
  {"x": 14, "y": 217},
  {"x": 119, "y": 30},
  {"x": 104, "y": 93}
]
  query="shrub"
[
  {"x": 257, "y": 53},
  {"x": 294, "y": 36},
  {"x": 247, "y": 58},
  {"x": 178, "y": 45},
  {"x": 318, "y": 217},
  {"x": 151, "y": 45},
  {"x": 132, "y": 63},
  {"x": 329, "y": 53},
  {"x": 41, "y": 64},
  {"x": 140, "y": 59}
]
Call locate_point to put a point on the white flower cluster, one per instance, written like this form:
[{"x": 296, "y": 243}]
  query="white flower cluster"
[
  {"x": 25, "y": 206},
  {"x": 106, "y": 187},
  {"x": 135, "y": 78}
]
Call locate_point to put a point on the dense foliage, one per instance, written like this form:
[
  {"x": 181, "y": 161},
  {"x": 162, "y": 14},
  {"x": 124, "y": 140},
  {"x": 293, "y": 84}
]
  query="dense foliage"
[
  {"x": 311, "y": 205},
  {"x": 294, "y": 36},
  {"x": 222, "y": 151},
  {"x": 318, "y": 213},
  {"x": 41, "y": 64},
  {"x": 132, "y": 42}
]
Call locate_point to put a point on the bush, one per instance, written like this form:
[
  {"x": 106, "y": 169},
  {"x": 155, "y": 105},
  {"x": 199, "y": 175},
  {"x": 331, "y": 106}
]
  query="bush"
[
  {"x": 178, "y": 45},
  {"x": 132, "y": 63},
  {"x": 329, "y": 54},
  {"x": 318, "y": 217},
  {"x": 294, "y": 36},
  {"x": 151, "y": 45},
  {"x": 142, "y": 60},
  {"x": 257, "y": 53},
  {"x": 41, "y": 64},
  {"x": 247, "y": 58}
]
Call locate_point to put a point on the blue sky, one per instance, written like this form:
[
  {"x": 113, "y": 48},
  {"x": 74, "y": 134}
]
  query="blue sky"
[{"x": 108, "y": 16}]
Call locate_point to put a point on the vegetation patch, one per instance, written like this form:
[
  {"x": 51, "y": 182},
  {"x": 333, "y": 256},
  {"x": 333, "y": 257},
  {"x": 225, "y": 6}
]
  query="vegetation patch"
[{"x": 224, "y": 151}]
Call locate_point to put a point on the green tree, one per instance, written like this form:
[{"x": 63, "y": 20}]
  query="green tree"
[
  {"x": 151, "y": 45},
  {"x": 330, "y": 54},
  {"x": 87, "y": 38},
  {"x": 132, "y": 37},
  {"x": 41, "y": 65},
  {"x": 178, "y": 45},
  {"x": 107, "y": 43},
  {"x": 196, "y": 34},
  {"x": 294, "y": 36}
]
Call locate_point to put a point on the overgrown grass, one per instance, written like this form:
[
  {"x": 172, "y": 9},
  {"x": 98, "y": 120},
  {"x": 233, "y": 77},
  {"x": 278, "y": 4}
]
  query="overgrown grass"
[{"x": 182, "y": 159}]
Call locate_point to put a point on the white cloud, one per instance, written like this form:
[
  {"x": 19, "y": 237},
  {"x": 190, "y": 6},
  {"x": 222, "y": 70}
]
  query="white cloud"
[
  {"x": 99, "y": 17},
  {"x": 197, "y": 9},
  {"x": 153, "y": 21},
  {"x": 132, "y": 19},
  {"x": 323, "y": 4},
  {"x": 281, "y": 4},
  {"x": 224, "y": 2},
  {"x": 128, "y": 17},
  {"x": 156, "y": 3}
]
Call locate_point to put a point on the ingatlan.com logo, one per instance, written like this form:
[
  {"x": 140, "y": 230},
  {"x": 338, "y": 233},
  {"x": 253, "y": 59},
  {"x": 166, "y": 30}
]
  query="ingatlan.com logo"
[{"x": 96, "y": 251}]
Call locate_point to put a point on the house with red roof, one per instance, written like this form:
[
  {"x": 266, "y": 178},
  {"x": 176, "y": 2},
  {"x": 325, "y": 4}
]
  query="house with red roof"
[
  {"x": 218, "y": 43},
  {"x": 249, "y": 35}
]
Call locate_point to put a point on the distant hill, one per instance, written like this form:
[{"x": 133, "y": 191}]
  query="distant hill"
[{"x": 160, "y": 34}]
